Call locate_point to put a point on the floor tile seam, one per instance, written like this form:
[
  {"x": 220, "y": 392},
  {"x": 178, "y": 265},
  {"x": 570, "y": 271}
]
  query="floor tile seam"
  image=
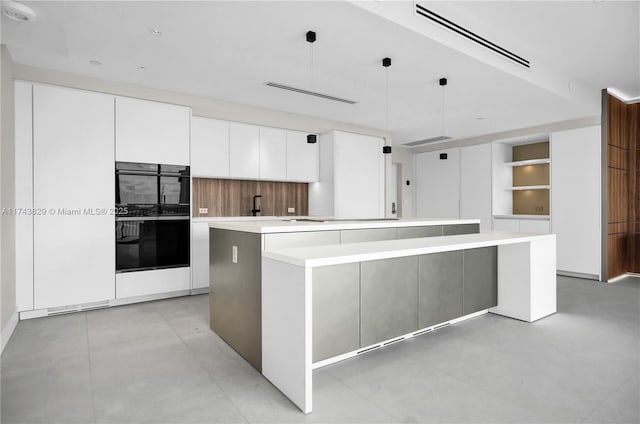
[
  {"x": 93, "y": 402},
  {"x": 223, "y": 393},
  {"x": 497, "y": 397},
  {"x": 606, "y": 398}
]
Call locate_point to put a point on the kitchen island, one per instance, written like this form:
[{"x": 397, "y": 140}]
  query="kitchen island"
[
  {"x": 321, "y": 304},
  {"x": 236, "y": 257}
]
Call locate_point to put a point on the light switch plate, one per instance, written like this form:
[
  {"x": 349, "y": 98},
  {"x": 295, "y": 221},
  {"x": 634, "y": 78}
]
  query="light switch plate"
[
  {"x": 291, "y": 210},
  {"x": 234, "y": 254},
  {"x": 203, "y": 210}
]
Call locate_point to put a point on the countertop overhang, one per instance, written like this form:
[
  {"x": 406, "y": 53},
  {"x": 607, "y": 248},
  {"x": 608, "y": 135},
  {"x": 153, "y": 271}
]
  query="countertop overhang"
[
  {"x": 368, "y": 251},
  {"x": 291, "y": 226}
]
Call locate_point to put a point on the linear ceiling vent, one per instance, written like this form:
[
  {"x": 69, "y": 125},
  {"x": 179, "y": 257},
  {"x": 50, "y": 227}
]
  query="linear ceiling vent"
[
  {"x": 424, "y": 12},
  {"x": 427, "y": 141},
  {"x": 309, "y": 93}
]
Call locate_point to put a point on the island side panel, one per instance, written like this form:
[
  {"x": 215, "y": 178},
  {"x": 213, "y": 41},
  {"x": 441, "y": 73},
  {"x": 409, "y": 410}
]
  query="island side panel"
[
  {"x": 287, "y": 330},
  {"x": 235, "y": 291},
  {"x": 543, "y": 278}
]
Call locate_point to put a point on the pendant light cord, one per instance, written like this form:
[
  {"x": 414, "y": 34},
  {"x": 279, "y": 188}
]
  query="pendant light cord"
[
  {"x": 443, "y": 127},
  {"x": 387, "y": 100}
]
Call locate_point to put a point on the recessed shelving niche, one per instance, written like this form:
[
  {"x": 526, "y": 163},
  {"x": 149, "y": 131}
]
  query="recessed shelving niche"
[{"x": 530, "y": 179}]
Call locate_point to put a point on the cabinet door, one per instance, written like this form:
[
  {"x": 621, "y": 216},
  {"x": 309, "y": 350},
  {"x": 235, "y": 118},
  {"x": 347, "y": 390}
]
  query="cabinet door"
[
  {"x": 73, "y": 169},
  {"x": 358, "y": 176},
  {"x": 451, "y": 230},
  {"x": 336, "y": 310},
  {"x": 389, "y": 309},
  {"x": 302, "y": 158},
  {"x": 576, "y": 198},
  {"x": 152, "y": 132},
  {"x": 244, "y": 151},
  {"x": 440, "y": 288},
  {"x": 24, "y": 194},
  {"x": 418, "y": 232},
  {"x": 209, "y": 148},
  {"x": 273, "y": 154},
  {"x": 475, "y": 184},
  {"x": 437, "y": 184},
  {"x": 199, "y": 255},
  {"x": 480, "y": 288},
  {"x": 538, "y": 226},
  {"x": 368, "y": 234},
  {"x": 509, "y": 225}
]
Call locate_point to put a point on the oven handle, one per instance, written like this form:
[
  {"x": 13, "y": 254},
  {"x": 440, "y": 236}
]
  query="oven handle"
[{"x": 153, "y": 218}]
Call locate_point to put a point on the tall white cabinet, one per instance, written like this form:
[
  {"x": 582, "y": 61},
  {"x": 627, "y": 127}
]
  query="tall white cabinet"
[
  {"x": 152, "y": 132},
  {"x": 576, "y": 199},
  {"x": 73, "y": 168},
  {"x": 352, "y": 177}
]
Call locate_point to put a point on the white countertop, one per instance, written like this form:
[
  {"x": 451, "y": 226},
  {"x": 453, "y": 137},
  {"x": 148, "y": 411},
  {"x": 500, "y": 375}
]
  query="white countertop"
[
  {"x": 285, "y": 225},
  {"x": 367, "y": 251},
  {"x": 536, "y": 217}
]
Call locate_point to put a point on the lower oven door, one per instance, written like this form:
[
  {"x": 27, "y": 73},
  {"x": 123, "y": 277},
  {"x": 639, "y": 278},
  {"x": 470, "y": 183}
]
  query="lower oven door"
[{"x": 144, "y": 243}]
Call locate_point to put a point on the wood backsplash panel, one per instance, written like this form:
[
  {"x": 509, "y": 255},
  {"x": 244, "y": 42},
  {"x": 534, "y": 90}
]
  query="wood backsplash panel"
[
  {"x": 531, "y": 151},
  {"x": 531, "y": 175},
  {"x": 531, "y": 202},
  {"x": 224, "y": 197}
]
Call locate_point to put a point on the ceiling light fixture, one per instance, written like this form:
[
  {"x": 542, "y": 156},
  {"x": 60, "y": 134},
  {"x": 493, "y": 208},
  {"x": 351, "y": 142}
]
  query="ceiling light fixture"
[
  {"x": 18, "y": 12},
  {"x": 141, "y": 68},
  {"x": 156, "y": 32},
  {"x": 443, "y": 83},
  {"x": 95, "y": 62},
  {"x": 310, "y": 36}
]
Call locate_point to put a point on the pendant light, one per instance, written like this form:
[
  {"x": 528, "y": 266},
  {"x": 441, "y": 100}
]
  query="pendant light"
[
  {"x": 311, "y": 38},
  {"x": 386, "y": 63},
  {"x": 443, "y": 84}
]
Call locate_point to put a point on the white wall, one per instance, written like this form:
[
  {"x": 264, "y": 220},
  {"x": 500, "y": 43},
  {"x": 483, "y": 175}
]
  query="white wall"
[
  {"x": 404, "y": 157},
  {"x": 7, "y": 198}
]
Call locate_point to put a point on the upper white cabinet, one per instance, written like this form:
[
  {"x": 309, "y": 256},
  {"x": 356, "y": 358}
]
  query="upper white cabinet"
[
  {"x": 152, "y": 132},
  {"x": 209, "y": 148},
  {"x": 273, "y": 154},
  {"x": 475, "y": 184},
  {"x": 73, "y": 177},
  {"x": 437, "y": 184},
  {"x": 302, "y": 158},
  {"x": 352, "y": 177},
  {"x": 244, "y": 151},
  {"x": 576, "y": 199}
]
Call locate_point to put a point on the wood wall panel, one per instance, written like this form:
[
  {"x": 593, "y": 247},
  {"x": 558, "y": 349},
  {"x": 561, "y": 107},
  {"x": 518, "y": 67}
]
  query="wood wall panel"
[
  {"x": 623, "y": 133},
  {"x": 224, "y": 197}
]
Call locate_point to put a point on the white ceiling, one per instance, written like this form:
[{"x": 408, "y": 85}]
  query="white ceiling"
[{"x": 228, "y": 50}]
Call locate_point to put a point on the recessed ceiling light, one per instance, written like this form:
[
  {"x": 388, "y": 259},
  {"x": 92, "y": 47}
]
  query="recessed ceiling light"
[
  {"x": 95, "y": 62},
  {"x": 156, "y": 32},
  {"x": 18, "y": 12},
  {"x": 479, "y": 118},
  {"x": 142, "y": 68}
]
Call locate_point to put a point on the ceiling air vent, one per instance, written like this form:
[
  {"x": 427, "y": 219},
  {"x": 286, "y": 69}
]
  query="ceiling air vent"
[
  {"x": 452, "y": 26},
  {"x": 309, "y": 93},
  {"x": 427, "y": 141}
]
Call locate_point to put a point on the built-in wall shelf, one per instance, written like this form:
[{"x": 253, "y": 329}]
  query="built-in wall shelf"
[
  {"x": 528, "y": 162},
  {"x": 532, "y": 187}
]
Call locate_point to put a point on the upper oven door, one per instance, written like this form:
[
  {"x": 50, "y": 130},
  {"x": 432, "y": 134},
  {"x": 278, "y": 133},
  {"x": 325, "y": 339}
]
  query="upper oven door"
[{"x": 175, "y": 191}]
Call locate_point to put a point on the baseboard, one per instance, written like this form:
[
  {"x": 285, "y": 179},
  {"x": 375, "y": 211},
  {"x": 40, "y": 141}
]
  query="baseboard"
[
  {"x": 202, "y": 290},
  {"x": 8, "y": 329},
  {"x": 578, "y": 275}
]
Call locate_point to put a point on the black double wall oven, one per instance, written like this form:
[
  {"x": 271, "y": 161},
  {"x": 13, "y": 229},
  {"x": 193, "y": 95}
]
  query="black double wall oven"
[{"x": 152, "y": 216}]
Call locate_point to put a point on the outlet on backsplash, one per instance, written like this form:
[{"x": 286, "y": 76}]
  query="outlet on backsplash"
[
  {"x": 203, "y": 211},
  {"x": 291, "y": 210}
]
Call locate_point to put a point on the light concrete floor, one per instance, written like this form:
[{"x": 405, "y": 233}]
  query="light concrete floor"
[{"x": 159, "y": 362}]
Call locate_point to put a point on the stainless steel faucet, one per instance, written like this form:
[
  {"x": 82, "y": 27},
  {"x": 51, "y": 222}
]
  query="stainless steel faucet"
[{"x": 256, "y": 207}]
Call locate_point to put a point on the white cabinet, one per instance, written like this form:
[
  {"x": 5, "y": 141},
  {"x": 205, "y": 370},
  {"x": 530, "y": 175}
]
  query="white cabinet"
[
  {"x": 521, "y": 225},
  {"x": 244, "y": 151},
  {"x": 24, "y": 195},
  {"x": 352, "y": 177},
  {"x": 152, "y": 132},
  {"x": 153, "y": 282},
  {"x": 199, "y": 255},
  {"x": 437, "y": 184},
  {"x": 273, "y": 154},
  {"x": 209, "y": 148},
  {"x": 576, "y": 199},
  {"x": 475, "y": 184},
  {"x": 73, "y": 176},
  {"x": 302, "y": 158}
]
